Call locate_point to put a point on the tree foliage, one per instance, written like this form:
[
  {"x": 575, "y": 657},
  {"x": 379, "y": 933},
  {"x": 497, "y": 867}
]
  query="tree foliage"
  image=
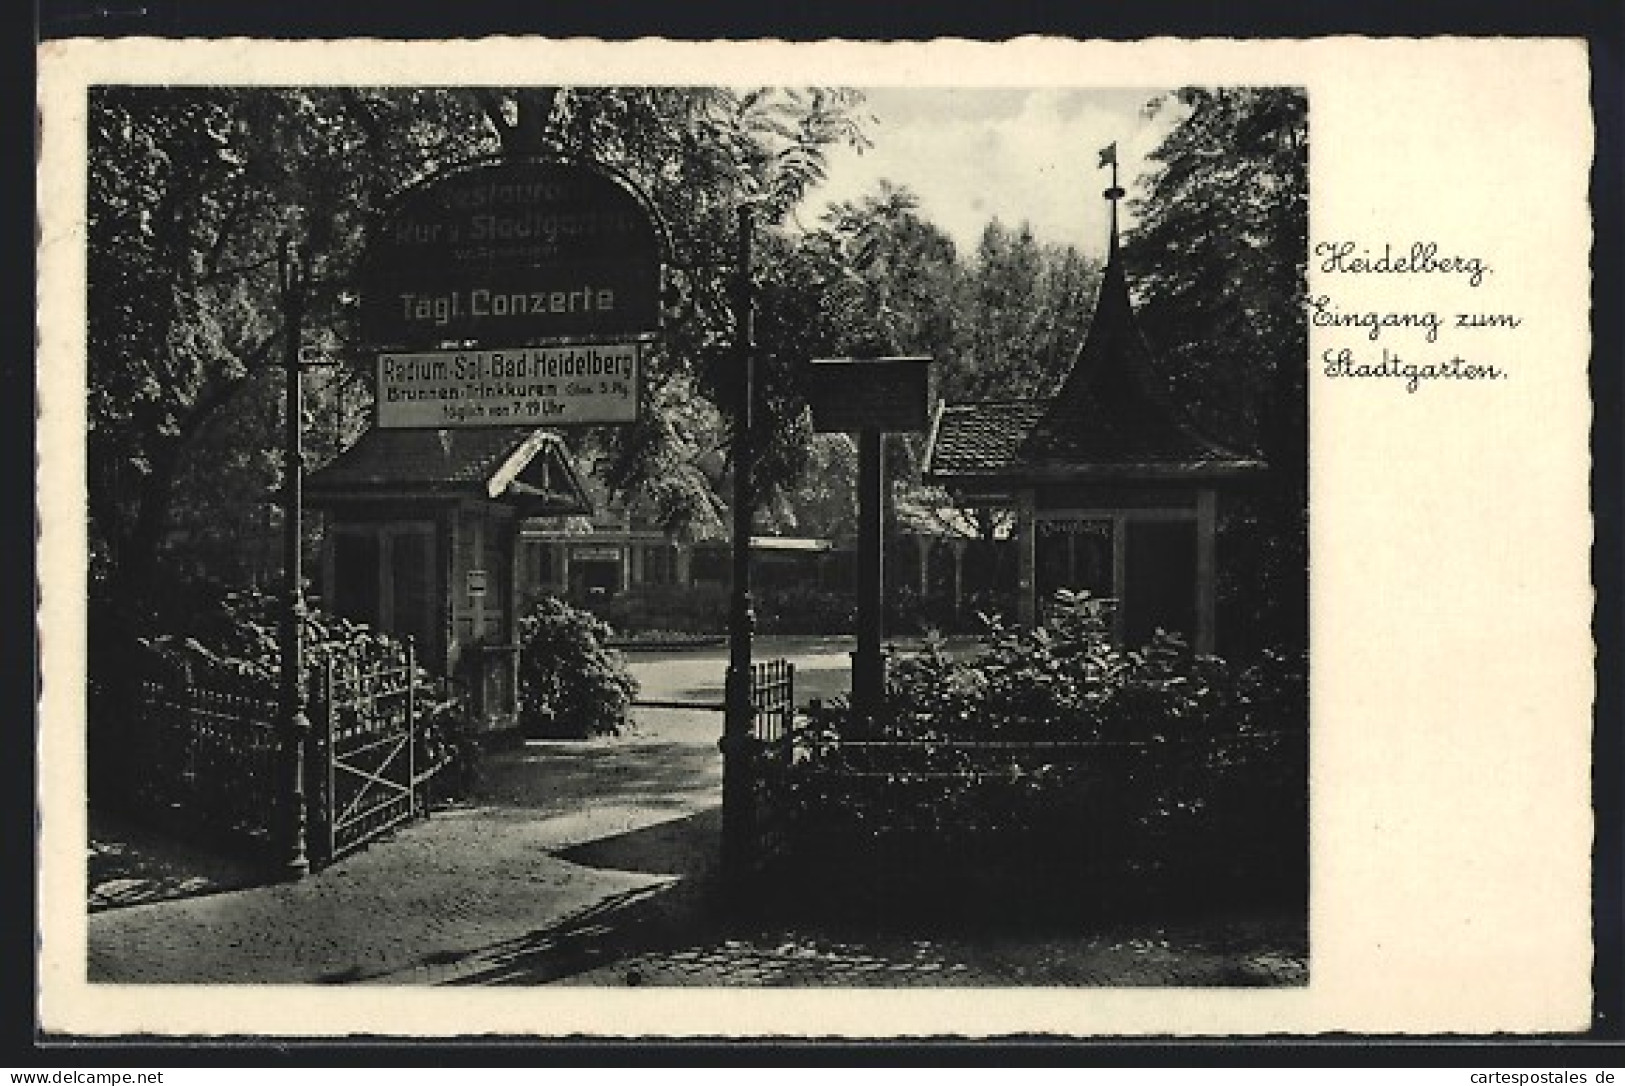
[
  {"x": 1219, "y": 257},
  {"x": 193, "y": 192}
]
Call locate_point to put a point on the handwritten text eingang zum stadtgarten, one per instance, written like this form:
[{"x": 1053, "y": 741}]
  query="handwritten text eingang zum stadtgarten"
[{"x": 1424, "y": 265}]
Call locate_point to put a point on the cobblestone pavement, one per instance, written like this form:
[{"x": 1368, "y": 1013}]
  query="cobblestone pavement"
[
  {"x": 797, "y": 960},
  {"x": 593, "y": 864}
]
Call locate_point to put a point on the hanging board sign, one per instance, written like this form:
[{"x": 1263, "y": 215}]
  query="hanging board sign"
[
  {"x": 849, "y": 395},
  {"x": 510, "y": 251}
]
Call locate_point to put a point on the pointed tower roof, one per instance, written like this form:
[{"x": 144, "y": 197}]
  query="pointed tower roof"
[
  {"x": 1111, "y": 416},
  {"x": 1112, "y": 408}
]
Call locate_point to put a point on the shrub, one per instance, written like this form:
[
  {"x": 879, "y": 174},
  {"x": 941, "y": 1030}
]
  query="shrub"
[
  {"x": 1179, "y": 764},
  {"x": 449, "y": 736},
  {"x": 803, "y": 609},
  {"x": 1063, "y": 681},
  {"x": 571, "y": 684}
]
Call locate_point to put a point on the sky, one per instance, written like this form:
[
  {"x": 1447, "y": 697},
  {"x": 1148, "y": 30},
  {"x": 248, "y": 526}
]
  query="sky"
[{"x": 973, "y": 154}]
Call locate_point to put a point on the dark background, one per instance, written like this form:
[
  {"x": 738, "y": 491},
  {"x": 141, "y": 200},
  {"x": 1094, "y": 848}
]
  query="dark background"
[{"x": 1602, "y": 23}]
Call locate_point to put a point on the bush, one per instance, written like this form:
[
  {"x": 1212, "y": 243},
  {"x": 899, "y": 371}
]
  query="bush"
[
  {"x": 1181, "y": 764},
  {"x": 804, "y": 609},
  {"x": 1063, "y": 681},
  {"x": 571, "y": 685},
  {"x": 449, "y": 736}
]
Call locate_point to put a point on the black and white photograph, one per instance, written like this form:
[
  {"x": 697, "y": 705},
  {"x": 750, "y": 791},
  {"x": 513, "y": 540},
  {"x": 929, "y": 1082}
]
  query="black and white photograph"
[
  {"x": 821, "y": 534},
  {"x": 977, "y": 656}
]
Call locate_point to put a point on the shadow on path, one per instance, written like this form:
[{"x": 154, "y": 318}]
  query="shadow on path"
[
  {"x": 664, "y": 916},
  {"x": 131, "y": 864}
]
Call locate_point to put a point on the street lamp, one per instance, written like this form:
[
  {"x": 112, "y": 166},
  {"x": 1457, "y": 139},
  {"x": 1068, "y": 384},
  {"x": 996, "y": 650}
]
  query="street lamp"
[
  {"x": 738, "y": 744},
  {"x": 295, "y": 724}
]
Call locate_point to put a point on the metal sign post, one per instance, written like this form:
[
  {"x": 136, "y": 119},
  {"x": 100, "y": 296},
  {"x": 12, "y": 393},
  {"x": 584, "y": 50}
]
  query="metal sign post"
[{"x": 868, "y": 664}]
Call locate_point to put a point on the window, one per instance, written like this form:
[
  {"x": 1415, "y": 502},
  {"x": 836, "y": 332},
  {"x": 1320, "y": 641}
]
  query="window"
[
  {"x": 1076, "y": 555},
  {"x": 384, "y": 575},
  {"x": 658, "y": 561},
  {"x": 1144, "y": 560},
  {"x": 540, "y": 568}
]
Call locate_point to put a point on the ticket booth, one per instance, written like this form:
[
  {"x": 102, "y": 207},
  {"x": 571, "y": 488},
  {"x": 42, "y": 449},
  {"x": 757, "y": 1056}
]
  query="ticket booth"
[
  {"x": 422, "y": 540},
  {"x": 1114, "y": 492}
]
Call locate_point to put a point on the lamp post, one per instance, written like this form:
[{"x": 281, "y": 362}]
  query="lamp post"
[
  {"x": 868, "y": 662},
  {"x": 738, "y": 748},
  {"x": 295, "y": 724}
]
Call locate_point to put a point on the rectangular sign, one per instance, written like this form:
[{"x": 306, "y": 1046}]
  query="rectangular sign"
[
  {"x": 475, "y": 582},
  {"x": 606, "y": 296},
  {"x": 595, "y": 554},
  {"x": 848, "y": 395},
  {"x": 521, "y": 386}
]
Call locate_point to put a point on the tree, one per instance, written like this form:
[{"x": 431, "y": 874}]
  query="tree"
[
  {"x": 875, "y": 279},
  {"x": 1219, "y": 257},
  {"x": 192, "y": 191},
  {"x": 1025, "y": 308}
]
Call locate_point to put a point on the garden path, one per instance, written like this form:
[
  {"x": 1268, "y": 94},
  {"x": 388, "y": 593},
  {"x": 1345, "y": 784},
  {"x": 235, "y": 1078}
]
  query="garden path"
[{"x": 592, "y": 863}]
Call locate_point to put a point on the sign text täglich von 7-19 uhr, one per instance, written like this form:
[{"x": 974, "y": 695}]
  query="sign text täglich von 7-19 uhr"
[{"x": 521, "y": 386}]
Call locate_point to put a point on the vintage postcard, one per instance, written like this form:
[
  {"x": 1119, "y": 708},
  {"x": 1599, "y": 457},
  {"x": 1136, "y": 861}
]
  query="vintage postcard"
[{"x": 841, "y": 539}]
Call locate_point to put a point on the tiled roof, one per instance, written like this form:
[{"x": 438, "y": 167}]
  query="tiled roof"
[
  {"x": 524, "y": 465},
  {"x": 426, "y": 459},
  {"x": 976, "y": 438}
]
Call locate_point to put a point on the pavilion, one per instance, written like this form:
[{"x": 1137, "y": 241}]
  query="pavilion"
[{"x": 1114, "y": 492}]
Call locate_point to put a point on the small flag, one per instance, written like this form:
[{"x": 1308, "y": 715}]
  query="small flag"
[{"x": 1108, "y": 156}]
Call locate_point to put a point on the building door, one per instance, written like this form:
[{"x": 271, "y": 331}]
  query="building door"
[{"x": 1160, "y": 592}]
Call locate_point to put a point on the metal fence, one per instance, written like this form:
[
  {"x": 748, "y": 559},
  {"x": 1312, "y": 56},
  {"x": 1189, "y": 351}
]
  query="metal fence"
[
  {"x": 366, "y": 743},
  {"x": 773, "y": 700},
  {"x": 204, "y": 749}
]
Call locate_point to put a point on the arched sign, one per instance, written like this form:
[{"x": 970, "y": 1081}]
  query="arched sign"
[{"x": 509, "y": 252}]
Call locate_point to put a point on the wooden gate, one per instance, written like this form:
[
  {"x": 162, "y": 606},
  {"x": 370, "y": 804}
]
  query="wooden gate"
[{"x": 366, "y": 745}]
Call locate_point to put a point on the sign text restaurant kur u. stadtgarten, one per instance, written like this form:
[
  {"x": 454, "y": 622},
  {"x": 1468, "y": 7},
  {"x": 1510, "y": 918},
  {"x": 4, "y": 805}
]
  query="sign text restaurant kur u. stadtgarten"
[{"x": 513, "y": 252}]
